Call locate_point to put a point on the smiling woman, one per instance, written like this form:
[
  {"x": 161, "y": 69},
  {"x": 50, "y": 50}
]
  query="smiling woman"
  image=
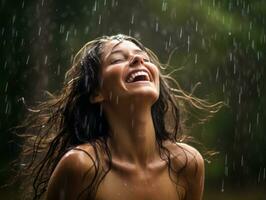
[{"x": 106, "y": 135}]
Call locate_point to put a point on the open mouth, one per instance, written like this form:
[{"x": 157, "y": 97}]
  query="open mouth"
[{"x": 138, "y": 76}]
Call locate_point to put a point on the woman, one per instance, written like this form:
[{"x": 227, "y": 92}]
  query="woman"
[{"x": 107, "y": 134}]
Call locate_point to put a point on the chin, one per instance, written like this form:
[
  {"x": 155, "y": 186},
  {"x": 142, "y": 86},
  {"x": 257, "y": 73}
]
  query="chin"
[{"x": 145, "y": 96}]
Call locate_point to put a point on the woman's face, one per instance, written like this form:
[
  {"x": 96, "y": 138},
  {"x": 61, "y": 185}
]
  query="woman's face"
[{"x": 128, "y": 74}]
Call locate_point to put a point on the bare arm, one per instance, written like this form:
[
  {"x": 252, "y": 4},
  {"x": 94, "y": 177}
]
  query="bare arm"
[{"x": 68, "y": 179}]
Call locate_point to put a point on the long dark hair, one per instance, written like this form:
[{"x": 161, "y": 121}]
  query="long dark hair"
[{"x": 68, "y": 119}]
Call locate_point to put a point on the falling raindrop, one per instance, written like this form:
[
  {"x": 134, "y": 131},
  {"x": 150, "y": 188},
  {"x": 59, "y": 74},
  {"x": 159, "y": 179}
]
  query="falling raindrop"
[
  {"x": 239, "y": 95},
  {"x": 164, "y": 6},
  {"x": 188, "y": 44},
  {"x": 230, "y": 56},
  {"x": 13, "y": 19},
  {"x": 258, "y": 55},
  {"x": 45, "y": 59},
  {"x": 27, "y": 61},
  {"x": 100, "y": 19},
  {"x": 226, "y": 167},
  {"x": 86, "y": 31},
  {"x": 181, "y": 33},
  {"x": 132, "y": 19},
  {"x": 3, "y": 31},
  {"x": 259, "y": 175},
  {"x": 226, "y": 171},
  {"x": 6, "y": 87},
  {"x": 157, "y": 26},
  {"x": 67, "y": 34},
  {"x": 234, "y": 68},
  {"x": 39, "y": 31},
  {"x": 5, "y": 64},
  {"x": 196, "y": 26},
  {"x": 7, "y": 108},
  {"x": 62, "y": 28},
  {"x": 222, "y": 189},
  {"x": 258, "y": 115},
  {"x": 22, "y": 42},
  {"x": 217, "y": 74},
  {"x": 95, "y": 6}
]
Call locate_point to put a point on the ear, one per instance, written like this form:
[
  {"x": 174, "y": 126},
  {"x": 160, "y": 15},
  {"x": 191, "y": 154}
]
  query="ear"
[{"x": 96, "y": 98}]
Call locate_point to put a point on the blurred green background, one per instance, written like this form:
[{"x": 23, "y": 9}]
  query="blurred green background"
[{"x": 219, "y": 43}]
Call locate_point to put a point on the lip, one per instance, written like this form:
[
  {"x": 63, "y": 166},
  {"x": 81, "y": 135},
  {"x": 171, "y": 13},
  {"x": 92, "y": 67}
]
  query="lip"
[{"x": 138, "y": 70}]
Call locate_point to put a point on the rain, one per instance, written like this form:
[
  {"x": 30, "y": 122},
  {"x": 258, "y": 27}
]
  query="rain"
[{"x": 218, "y": 45}]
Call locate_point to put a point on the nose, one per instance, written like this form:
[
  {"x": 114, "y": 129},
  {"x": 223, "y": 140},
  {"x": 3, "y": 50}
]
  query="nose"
[{"x": 136, "y": 60}]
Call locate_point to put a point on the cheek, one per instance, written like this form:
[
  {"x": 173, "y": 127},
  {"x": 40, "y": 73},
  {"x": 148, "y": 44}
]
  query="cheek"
[
  {"x": 111, "y": 79},
  {"x": 156, "y": 73}
]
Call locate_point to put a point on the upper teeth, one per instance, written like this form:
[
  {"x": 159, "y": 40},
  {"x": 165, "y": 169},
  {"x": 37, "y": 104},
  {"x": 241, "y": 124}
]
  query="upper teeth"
[{"x": 139, "y": 73}]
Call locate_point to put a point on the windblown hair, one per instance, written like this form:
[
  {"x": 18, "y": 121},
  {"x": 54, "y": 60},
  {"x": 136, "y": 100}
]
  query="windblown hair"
[{"x": 68, "y": 119}]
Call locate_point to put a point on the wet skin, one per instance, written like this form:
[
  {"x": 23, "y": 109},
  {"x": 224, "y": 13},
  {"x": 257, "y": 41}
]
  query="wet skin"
[{"x": 138, "y": 171}]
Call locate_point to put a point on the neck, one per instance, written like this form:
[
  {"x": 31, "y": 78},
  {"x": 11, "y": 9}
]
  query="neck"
[{"x": 132, "y": 134}]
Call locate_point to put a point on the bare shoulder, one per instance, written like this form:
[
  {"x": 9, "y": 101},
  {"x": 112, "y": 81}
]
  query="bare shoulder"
[
  {"x": 72, "y": 174},
  {"x": 184, "y": 154},
  {"x": 78, "y": 159},
  {"x": 190, "y": 163},
  {"x": 192, "y": 154}
]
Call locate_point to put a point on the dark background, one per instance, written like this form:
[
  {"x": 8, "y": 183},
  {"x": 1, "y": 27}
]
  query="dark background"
[{"x": 219, "y": 43}]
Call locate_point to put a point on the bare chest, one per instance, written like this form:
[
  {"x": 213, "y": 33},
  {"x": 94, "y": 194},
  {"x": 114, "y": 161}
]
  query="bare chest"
[{"x": 139, "y": 186}]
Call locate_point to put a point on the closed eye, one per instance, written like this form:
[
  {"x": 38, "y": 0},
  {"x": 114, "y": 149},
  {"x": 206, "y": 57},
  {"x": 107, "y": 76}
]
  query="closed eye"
[
  {"x": 117, "y": 61},
  {"x": 146, "y": 60}
]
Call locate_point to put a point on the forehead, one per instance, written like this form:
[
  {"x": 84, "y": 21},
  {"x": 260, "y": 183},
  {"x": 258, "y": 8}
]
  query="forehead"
[{"x": 115, "y": 45}]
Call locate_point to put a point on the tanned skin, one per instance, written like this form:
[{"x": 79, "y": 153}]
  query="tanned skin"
[{"x": 138, "y": 172}]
